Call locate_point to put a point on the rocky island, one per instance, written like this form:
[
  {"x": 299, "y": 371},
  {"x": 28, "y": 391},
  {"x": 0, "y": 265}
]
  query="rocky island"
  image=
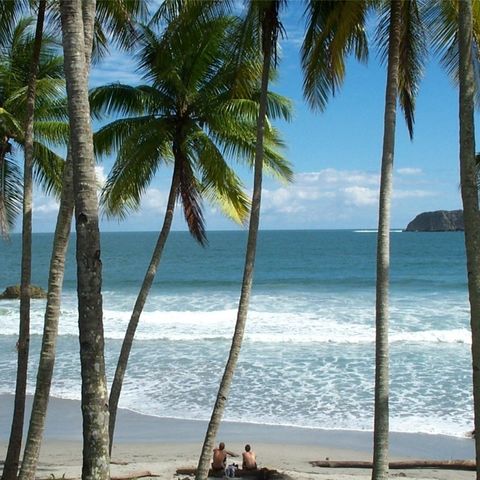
[{"x": 438, "y": 221}]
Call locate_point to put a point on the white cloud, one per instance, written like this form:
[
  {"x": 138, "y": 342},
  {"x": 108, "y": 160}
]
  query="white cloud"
[
  {"x": 154, "y": 199},
  {"x": 409, "y": 171},
  {"x": 45, "y": 206},
  {"x": 332, "y": 198},
  {"x": 412, "y": 194},
  {"x": 360, "y": 196}
]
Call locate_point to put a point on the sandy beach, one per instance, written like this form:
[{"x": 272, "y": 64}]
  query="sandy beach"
[{"x": 161, "y": 445}]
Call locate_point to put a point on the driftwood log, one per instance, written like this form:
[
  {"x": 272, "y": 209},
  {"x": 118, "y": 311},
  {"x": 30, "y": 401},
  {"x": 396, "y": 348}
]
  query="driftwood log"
[
  {"x": 260, "y": 474},
  {"x": 125, "y": 476},
  {"x": 439, "y": 464}
]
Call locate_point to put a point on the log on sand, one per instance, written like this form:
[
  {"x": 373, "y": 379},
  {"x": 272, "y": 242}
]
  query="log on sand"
[
  {"x": 126, "y": 476},
  {"x": 260, "y": 474},
  {"x": 438, "y": 464},
  {"x": 133, "y": 475}
]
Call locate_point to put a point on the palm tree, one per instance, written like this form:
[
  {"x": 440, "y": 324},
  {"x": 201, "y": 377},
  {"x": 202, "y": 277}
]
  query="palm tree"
[
  {"x": 18, "y": 128},
  {"x": 118, "y": 19},
  {"x": 189, "y": 117},
  {"x": 262, "y": 19},
  {"x": 77, "y": 24},
  {"x": 402, "y": 37},
  {"x": 13, "y": 455},
  {"x": 469, "y": 190},
  {"x": 334, "y": 30}
]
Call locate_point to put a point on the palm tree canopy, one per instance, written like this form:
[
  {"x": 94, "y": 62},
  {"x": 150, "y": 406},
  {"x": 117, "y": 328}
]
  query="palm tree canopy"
[
  {"x": 413, "y": 52},
  {"x": 50, "y": 115},
  {"x": 442, "y": 21},
  {"x": 188, "y": 104},
  {"x": 334, "y": 30}
]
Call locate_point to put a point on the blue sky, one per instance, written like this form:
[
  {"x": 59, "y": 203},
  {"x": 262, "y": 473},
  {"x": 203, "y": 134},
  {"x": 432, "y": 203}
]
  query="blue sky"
[{"x": 335, "y": 154}]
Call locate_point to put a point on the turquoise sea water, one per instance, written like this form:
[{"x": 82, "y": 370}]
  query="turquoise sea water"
[{"x": 308, "y": 355}]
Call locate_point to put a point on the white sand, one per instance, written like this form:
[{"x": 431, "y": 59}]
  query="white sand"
[{"x": 163, "y": 445}]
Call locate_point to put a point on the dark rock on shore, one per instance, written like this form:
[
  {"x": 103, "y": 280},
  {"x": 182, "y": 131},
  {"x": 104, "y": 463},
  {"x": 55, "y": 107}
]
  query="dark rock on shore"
[
  {"x": 439, "y": 221},
  {"x": 13, "y": 292}
]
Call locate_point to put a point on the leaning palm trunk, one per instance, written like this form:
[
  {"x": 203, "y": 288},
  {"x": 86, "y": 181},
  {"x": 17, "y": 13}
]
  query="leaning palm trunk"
[
  {"x": 381, "y": 424},
  {"x": 470, "y": 199},
  {"x": 139, "y": 304},
  {"x": 50, "y": 330},
  {"x": 96, "y": 460},
  {"x": 222, "y": 395},
  {"x": 15, "y": 443}
]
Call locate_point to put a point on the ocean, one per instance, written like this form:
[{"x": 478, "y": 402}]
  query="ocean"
[{"x": 308, "y": 353}]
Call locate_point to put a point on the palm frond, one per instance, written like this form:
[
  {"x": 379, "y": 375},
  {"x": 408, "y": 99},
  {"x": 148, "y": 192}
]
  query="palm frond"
[
  {"x": 442, "y": 21},
  {"x": 52, "y": 133},
  {"x": 190, "y": 195},
  {"x": 219, "y": 183},
  {"x": 174, "y": 12},
  {"x": 47, "y": 169},
  {"x": 9, "y": 125},
  {"x": 113, "y": 136},
  {"x": 10, "y": 13},
  {"x": 335, "y": 29},
  {"x": 121, "y": 99},
  {"x": 141, "y": 149},
  {"x": 413, "y": 53},
  {"x": 11, "y": 194}
]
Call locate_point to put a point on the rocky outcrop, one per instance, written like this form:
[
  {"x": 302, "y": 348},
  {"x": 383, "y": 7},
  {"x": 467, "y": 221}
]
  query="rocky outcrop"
[
  {"x": 439, "y": 221},
  {"x": 13, "y": 292}
]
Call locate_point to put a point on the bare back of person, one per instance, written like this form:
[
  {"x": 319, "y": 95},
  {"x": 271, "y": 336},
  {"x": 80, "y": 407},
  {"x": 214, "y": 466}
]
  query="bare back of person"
[
  {"x": 249, "y": 459},
  {"x": 219, "y": 459}
]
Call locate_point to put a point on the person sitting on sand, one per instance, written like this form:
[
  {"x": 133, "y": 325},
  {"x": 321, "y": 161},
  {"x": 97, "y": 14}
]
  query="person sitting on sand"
[
  {"x": 220, "y": 457},
  {"x": 249, "y": 459}
]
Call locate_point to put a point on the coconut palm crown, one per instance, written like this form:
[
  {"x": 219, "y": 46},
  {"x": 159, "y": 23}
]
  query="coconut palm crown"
[
  {"x": 50, "y": 114},
  {"x": 197, "y": 112}
]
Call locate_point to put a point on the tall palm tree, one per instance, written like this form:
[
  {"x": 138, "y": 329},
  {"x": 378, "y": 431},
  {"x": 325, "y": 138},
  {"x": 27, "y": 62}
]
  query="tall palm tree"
[
  {"x": 96, "y": 460},
  {"x": 189, "y": 117},
  {"x": 19, "y": 85},
  {"x": 402, "y": 37},
  {"x": 13, "y": 453},
  {"x": 469, "y": 190},
  {"x": 117, "y": 20},
  {"x": 335, "y": 29},
  {"x": 263, "y": 21}
]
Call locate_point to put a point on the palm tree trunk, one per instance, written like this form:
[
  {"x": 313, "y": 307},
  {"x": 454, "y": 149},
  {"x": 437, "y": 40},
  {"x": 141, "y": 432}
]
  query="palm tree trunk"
[
  {"x": 470, "y": 198},
  {"x": 224, "y": 388},
  {"x": 140, "y": 303},
  {"x": 52, "y": 312},
  {"x": 15, "y": 443},
  {"x": 381, "y": 422},
  {"x": 96, "y": 457},
  {"x": 50, "y": 330}
]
